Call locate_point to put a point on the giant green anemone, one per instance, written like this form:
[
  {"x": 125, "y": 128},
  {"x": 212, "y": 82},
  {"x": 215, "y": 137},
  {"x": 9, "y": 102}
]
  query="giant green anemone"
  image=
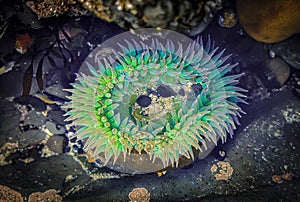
[{"x": 156, "y": 97}]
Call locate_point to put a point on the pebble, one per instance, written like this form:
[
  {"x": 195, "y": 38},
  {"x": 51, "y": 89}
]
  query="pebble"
[
  {"x": 31, "y": 137},
  {"x": 288, "y": 50},
  {"x": 221, "y": 154},
  {"x": 67, "y": 149},
  {"x": 272, "y": 54},
  {"x": 56, "y": 90},
  {"x": 9, "y": 86},
  {"x": 144, "y": 101},
  {"x": 36, "y": 103},
  {"x": 55, "y": 128},
  {"x": 181, "y": 92},
  {"x": 74, "y": 139},
  {"x": 57, "y": 144},
  {"x": 197, "y": 88},
  {"x": 165, "y": 91},
  {"x": 57, "y": 116},
  {"x": 279, "y": 70},
  {"x": 35, "y": 118}
]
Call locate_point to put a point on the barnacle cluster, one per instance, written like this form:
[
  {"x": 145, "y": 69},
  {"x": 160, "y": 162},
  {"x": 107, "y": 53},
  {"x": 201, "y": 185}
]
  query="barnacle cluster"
[
  {"x": 190, "y": 16},
  {"x": 228, "y": 18},
  {"x": 222, "y": 170},
  {"x": 50, "y": 8},
  {"x": 8, "y": 194},
  {"x": 156, "y": 97},
  {"x": 49, "y": 195},
  {"x": 98, "y": 8},
  {"x": 139, "y": 195}
]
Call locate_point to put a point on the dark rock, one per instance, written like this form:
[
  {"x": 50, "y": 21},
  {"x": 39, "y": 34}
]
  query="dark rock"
[
  {"x": 57, "y": 144},
  {"x": 73, "y": 139},
  {"x": 181, "y": 92},
  {"x": 67, "y": 149},
  {"x": 31, "y": 153},
  {"x": 295, "y": 85},
  {"x": 56, "y": 90},
  {"x": 188, "y": 167},
  {"x": 165, "y": 91},
  {"x": 55, "y": 128},
  {"x": 288, "y": 50},
  {"x": 31, "y": 137},
  {"x": 37, "y": 104},
  {"x": 149, "y": 92},
  {"x": 35, "y": 118},
  {"x": 144, "y": 101},
  {"x": 14, "y": 157},
  {"x": 57, "y": 116},
  {"x": 197, "y": 88},
  {"x": 23, "y": 100},
  {"x": 9, "y": 86},
  {"x": 9, "y": 122},
  {"x": 279, "y": 71},
  {"x": 44, "y": 174},
  {"x": 219, "y": 153},
  {"x": 32, "y": 102},
  {"x": 80, "y": 151}
]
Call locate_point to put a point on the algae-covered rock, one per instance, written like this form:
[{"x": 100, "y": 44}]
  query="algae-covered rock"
[{"x": 269, "y": 20}]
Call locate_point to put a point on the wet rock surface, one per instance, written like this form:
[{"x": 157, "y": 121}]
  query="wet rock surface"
[
  {"x": 269, "y": 21},
  {"x": 288, "y": 50},
  {"x": 42, "y": 174},
  {"x": 55, "y": 128},
  {"x": 57, "y": 144},
  {"x": 57, "y": 116},
  {"x": 36, "y": 154},
  {"x": 11, "y": 88},
  {"x": 35, "y": 118},
  {"x": 265, "y": 145},
  {"x": 31, "y": 137},
  {"x": 9, "y": 121}
]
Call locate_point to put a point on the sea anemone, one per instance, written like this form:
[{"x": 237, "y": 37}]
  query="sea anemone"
[{"x": 154, "y": 95}]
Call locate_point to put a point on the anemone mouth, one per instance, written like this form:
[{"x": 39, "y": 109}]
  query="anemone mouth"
[{"x": 154, "y": 99}]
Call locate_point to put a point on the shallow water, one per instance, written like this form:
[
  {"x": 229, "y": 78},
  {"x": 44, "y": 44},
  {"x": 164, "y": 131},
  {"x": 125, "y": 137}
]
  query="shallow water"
[{"x": 37, "y": 155}]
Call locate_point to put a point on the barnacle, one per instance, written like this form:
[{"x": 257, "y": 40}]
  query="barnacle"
[
  {"x": 139, "y": 194},
  {"x": 8, "y": 194},
  {"x": 155, "y": 96}
]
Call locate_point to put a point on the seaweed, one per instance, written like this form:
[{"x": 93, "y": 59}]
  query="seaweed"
[
  {"x": 53, "y": 53},
  {"x": 55, "y": 44}
]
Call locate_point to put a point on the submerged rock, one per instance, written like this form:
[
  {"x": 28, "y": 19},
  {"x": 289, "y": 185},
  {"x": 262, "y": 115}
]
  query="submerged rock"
[
  {"x": 57, "y": 144},
  {"x": 279, "y": 71},
  {"x": 269, "y": 21},
  {"x": 31, "y": 137},
  {"x": 288, "y": 50},
  {"x": 9, "y": 121}
]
